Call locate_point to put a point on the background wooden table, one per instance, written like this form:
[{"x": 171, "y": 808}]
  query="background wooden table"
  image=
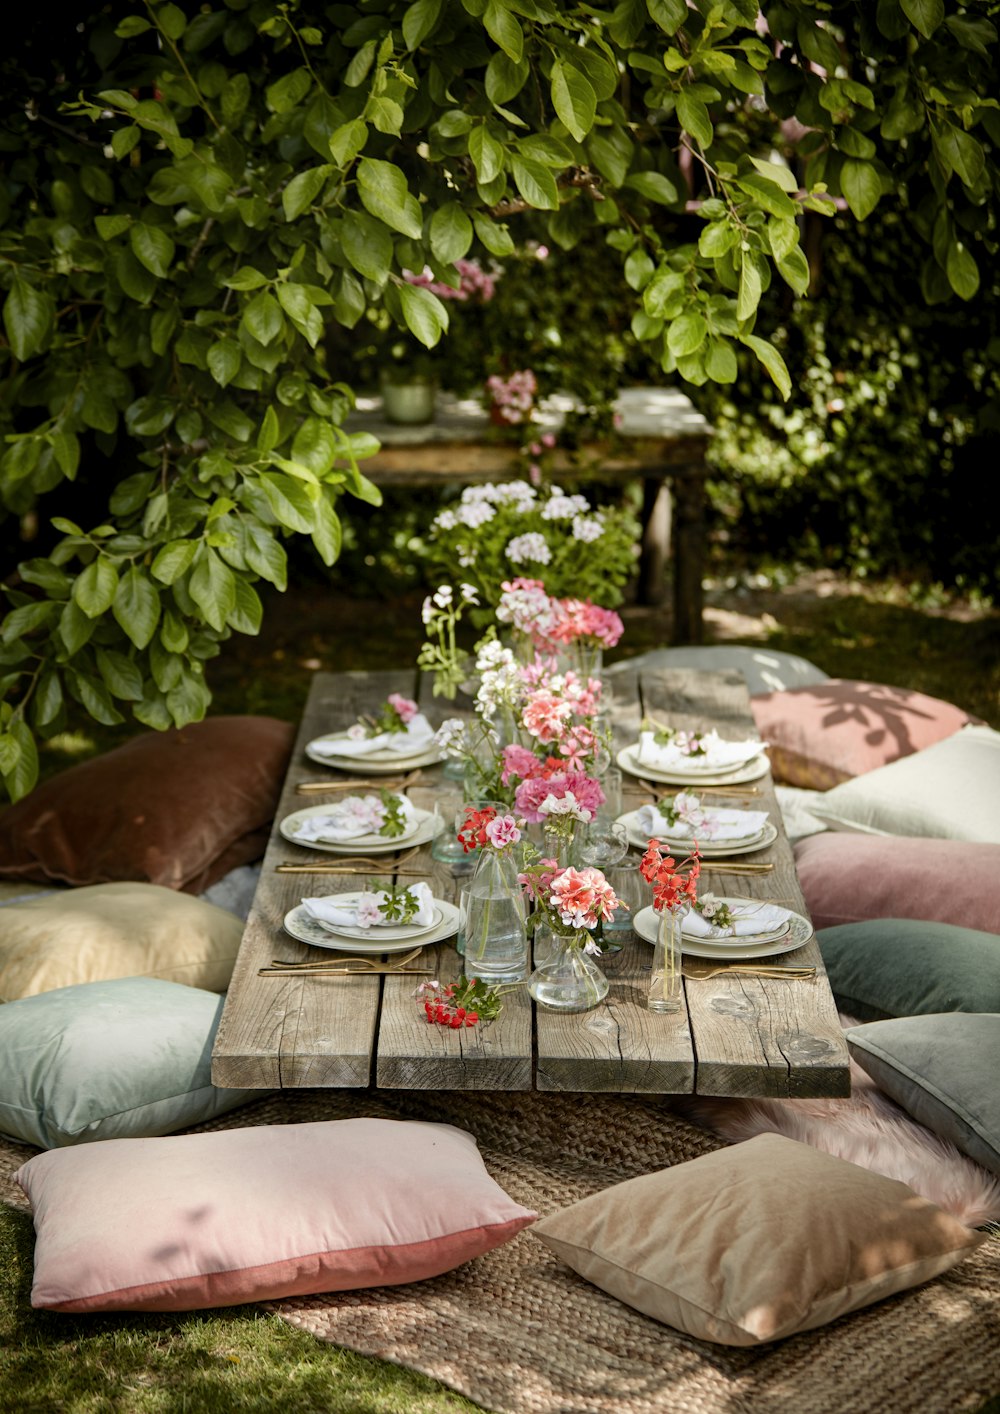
[{"x": 738, "y": 1036}]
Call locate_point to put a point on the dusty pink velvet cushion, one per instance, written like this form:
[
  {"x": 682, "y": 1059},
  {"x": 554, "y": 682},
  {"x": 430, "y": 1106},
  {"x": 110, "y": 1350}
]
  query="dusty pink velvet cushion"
[
  {"x": 830, "y": 732},
  {"x": 850, "y": 878},
  {"x": 201, "y": 1220}
]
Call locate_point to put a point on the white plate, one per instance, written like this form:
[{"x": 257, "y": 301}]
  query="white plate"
[
  {"x": 424, "y": 829},
  {"x": 379, "y": 763},
  {"x": 709, "y": 849},
  {"x": 307, "y": 930},
  {"x": 752, "y": 771},
  {"x": 647, "y": 921},
  {"x": 391, "y": 932}
]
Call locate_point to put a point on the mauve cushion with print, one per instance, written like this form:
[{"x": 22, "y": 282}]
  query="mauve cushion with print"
[
  {"x": 202, "y": 1220},
  {"x": 178, "y": 808},
  {"x": 849, "y": 878},
  {"x": 826, "y": 733}
]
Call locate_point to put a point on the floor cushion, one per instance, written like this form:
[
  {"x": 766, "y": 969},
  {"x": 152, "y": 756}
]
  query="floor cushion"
[
  {"x": 115, "y": 930},
  {"x": 850, "y": 878},
  {"x": 178, "y": 808},
  {"x": 202, "y": 1220},
  {"x": 942, "y": 1069},
  {"x": 821, "y": 735},
  {"x": 949, "y": 791},
  {"x": 756, "y": 1242},
  {"x": 890, "y": 967},
  {"x": 765, "y": 669},
  {"x": 110, "y": 1060}
]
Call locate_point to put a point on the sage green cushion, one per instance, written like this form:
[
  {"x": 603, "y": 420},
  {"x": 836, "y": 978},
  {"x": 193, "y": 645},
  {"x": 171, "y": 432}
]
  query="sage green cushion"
[
  {"x": 943, "y": 1071},
  {"x": 122, "y": 1059},
  {"x": 900, "y": 967}
]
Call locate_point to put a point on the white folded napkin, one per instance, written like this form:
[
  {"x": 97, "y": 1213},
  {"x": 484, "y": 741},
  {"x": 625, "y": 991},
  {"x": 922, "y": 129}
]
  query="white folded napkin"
[
  {"x": 719, "y": 755},
  {"x": 351, "y": 818},
  {"x": 703, "y": 823},
  {"x": 418, "y": 737},
  {"x": 749, "y": 919},
  {"x": 338, "y": 913}
]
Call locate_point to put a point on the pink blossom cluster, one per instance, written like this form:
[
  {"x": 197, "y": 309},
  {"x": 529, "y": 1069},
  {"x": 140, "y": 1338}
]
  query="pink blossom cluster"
[
  {"x": 550, "y": 622},
  {"x": 578, "y": 790},
  {"x": 502, "y": 831},
  {"x": 525, "y": 605},
  {"x": 582, "y": 897},
  {"x": 475, "y": 282},
  {"x": 404, "y": 707},
  {"x": 580, "y": 618},
  {"x": 514, "y": 396}
]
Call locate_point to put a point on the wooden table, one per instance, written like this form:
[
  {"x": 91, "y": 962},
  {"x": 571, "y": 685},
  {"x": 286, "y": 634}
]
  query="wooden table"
[
  {"x": 735, "y": 1036},
  {"x": 661, "y": 438}
]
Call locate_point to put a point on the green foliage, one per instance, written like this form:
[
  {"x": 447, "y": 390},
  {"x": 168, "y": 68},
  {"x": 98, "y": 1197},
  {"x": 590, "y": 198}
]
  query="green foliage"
[{"x": 197, "y": 198}]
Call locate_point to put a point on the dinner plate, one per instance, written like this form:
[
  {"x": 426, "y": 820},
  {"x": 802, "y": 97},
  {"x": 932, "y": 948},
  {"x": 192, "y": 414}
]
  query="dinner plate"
[
  {"x": 752, "y": 771},
  {"x": 425, "y": 828},
  {"x": 379, "y": 763},
  {"x": 646, "y": 923},
  {"x": 391, "y": 932},
  {"x": 299, "y": 925},
  {"x": 709, "y": 849}
]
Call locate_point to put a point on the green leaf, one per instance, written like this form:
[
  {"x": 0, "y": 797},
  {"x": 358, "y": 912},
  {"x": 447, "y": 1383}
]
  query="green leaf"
[
  {"x": 654, "y": 186},
  {"x": 959, "y": 152},
  {"x": 315, "y": 446},
  {"x": 425, "y": 315},
  {"x": 173, "y": 560},
  {"x": 367, "y": 245},
  {"x": 638, "y": 270},
  {"x": 136, "y": 606},
  {"x": 383, "y": 191},
  {"x": 535, "y": 182},
  {"x": 716, "y": 238},
  {"x": 288, "y": 91},
  {"x": 451, "y": 233},
  {"x": 668, "y": 14},
  {"x": 263, "y": 318},
  {"x": 152, "y": 710},
  {"x": 302, "y": 191},
  {"x": 663, "y": 297},
  {"x": 328, "y": 535},
  {"x": 385, "y": 115},
  {"x": 231, "y": 419},
  {"x": 794, "y": 270},
  {"x": 496, "y": 239},
  {"x": 264, "y": 555},
  {"x": 173, "y": 632},
  {"x": 721, "y": 364},
  {"x": 75, "y": 628},
  {"x": 694, "y": 118},
  {"x": 289, "y": 501},
  {"x": 66, "y": 446},
  {"x": 487, "y": 154},
  {"x": 247, "y": 612},
  {"x": 224, "y": 360},
  {"x": 189, "y": 700},
  {"x": 962, "y": 270},
  {"x": 26, "y": 618},
  {"x": 924, "y": 15},
  {"x": 419, "y": 20},
  {"x": 94, "y": 588},
  {"x": 48, "y": 698},
  {"x": 213, "y": 587},
  {"x": 772, "y": 361},
  {"x": 131, "y": 26},
  {"x": 504, "y": 78},
  {"x": 749, "y": 294},
  {"x": 246, "y": 278},
  {"x": 137, "y": 282},
  {"x": 27, "y": 315},
  {"x": 124, "y": 140},
  {"x": 234, "y": 99},
  {"x": 861, "y": 186},
  {"x": 360, "y": 66},
  {"x": 777, "y": 173},
  {"x": 768, "y": 196},
  {"x": 270, "y": 432},
  {"x": 574, "y": 99},
  {"x": 687, "y": 334},
  {"x": 121, "y": 676},
  {"x": 110, "y": 226},
  {"x": 22, "y": 773},
  {"x": 152, "y": 247},
  {"x": 172, "y": 20},
  {"x": 348, "y": 140},
  {"x": 504, "y": 30}
]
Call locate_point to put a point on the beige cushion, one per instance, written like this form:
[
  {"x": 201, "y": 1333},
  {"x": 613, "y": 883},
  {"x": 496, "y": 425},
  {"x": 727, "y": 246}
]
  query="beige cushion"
[
  {"x": 949, "y": 791},
  {"x": 756, "y": 1242},
  {"x": 115, "y": 930}
]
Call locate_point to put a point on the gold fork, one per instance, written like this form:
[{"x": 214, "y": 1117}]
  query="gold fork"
[
  {"x": 385, "y": 864},
  {"x": 739, "y": 970},
  {"x": 386, "y": 783}
]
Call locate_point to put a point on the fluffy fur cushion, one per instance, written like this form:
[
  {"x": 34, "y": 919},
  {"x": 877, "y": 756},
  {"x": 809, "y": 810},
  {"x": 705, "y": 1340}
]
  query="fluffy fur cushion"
[
  {"x": 178, "y": 808},
  {"x": 851, "y": 878},
  {"x": 821, "y": 735}
]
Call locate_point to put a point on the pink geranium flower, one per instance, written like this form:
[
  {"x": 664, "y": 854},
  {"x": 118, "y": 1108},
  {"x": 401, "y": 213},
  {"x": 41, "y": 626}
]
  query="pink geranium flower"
[
  {"x": 502, "y": 831},
  {"x": 404, "y": 707}
]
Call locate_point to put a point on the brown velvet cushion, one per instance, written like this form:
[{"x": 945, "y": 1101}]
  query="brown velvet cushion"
[
  {"x": 830, "y": 732},
  {"x": 851, "y": 878},
  {"x": 178, "y": 808}
]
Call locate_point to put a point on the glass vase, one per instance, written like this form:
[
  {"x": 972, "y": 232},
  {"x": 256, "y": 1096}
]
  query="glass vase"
[
  {"x": 566, "y": 977},
  {"x": 665, "y": 986},
  {"x": 496, "y": 938},
  {"x": 559, "y": 839}
]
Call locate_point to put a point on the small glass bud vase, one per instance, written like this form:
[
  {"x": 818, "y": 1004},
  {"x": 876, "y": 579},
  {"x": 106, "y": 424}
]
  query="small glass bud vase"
[
  {"x": 496, "y": 938},
  {"x": 567, "y": 978},
  {"x": 665, "y": 987}
]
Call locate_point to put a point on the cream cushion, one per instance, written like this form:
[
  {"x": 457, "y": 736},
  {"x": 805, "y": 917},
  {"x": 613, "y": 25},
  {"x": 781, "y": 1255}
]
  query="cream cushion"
[{"x": 115, "y": 930}]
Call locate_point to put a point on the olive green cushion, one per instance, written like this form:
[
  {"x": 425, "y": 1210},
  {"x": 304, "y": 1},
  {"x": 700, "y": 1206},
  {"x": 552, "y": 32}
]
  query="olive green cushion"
[
  {"x": 901, "y": 967},
  {"x": 943, "y": 1071},
  {"x": 127, "y": 1058}
]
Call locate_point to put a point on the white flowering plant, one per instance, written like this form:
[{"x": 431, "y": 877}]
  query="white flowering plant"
[
  {"x": 440, "y": 653},
  {"x": 496, "y": 532}
]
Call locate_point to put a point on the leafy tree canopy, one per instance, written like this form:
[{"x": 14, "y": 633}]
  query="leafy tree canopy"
[{"x": 194, "y": 194}]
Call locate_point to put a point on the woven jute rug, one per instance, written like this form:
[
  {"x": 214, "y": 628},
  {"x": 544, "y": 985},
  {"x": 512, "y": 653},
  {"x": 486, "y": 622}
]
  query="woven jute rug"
[{"x": 519, "y": 1333}]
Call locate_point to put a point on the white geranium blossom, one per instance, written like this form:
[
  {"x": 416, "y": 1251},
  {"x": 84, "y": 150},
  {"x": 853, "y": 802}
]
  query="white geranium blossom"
[
  {"x": 443, "y": 596},
  {"x": 588, "y": 528},
  {"x": 475, "y": 515},
  {"x": 532, "y": 546},
  {"x": 559, "y": 507},
  {"x": 446, "y": 520}
]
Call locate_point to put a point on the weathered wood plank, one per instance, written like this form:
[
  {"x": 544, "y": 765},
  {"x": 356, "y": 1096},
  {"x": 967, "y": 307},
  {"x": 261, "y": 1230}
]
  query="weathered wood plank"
[{"x": 753, "y": 1036}]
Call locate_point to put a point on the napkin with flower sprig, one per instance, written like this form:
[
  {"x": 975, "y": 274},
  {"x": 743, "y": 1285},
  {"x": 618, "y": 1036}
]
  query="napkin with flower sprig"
[
  {"x": 709, "y": 918},
  {"x": 686, "y": 818},
  {"x": 386, "y": 814},
  {"x": 375, "y": 909},
  {"x": 397, "y": 726},
  {"x": 668, "y": 750}
]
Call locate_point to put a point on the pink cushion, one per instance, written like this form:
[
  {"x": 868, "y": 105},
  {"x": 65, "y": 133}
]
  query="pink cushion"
[
  {"x": 201, "y": 1220},
  {"x": 821, "y": 735},
  {"x": 850, "y": 878}
]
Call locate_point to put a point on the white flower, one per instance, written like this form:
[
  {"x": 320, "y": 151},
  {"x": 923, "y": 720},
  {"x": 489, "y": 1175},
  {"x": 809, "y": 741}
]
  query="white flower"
[
  {"x": 559, "y": 507},
  {"x": 428, "y": 613},
  {"x": 708, "y": 905},
  {"x": 564, "y": 805},
  {"x": 447, "y": 520},
  {"x": 531, "y": 546},
  {"x": 466, "y": 561},
  {"x": 450, "y": 737},
  {"x": 357, "y": 732},
  {"x": 475, "y": 515},
  {"x": 586, "y": 529},
  {"x": 368, "y": 911},
  {"x": 443, "y": 596},
  {"x": 469, "y": 594}
]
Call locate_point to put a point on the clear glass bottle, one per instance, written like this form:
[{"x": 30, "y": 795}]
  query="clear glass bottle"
[
  {"x": 566, "y": 978},
  {"x": 665, "y": 985},
  {"x": 496, "y": 938}
]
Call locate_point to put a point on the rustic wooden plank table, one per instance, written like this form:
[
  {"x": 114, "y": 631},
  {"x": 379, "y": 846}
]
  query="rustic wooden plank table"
[
  {"x": 736, "y": 1036},
  {"x": 661, "y": 438}
]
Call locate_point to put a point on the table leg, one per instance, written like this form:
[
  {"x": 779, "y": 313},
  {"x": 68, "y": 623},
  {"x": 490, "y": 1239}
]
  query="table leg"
[{"x": 689, "y": 553}]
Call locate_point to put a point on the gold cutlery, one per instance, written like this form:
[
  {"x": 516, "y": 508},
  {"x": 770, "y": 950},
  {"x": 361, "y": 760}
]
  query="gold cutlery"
[
  {"x": 660, "y": 790},
  {"x": 351, "y": 861},
  {"x": 351, "y": 960},
  {"x": 742, "y": 970},
  {"x": 344, "y": 972},
  {"x": 386, "y": 783},
  {"x": 338, "y": 871},
  {"x": 709, "y": 866}
]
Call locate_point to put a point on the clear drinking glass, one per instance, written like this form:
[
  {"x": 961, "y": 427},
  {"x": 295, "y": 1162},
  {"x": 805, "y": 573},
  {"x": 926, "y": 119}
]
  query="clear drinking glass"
[
  {"x": 632, "y": 889},
  {"x": 602, "y": 843},
  {"x": 446, "y": 846}
]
